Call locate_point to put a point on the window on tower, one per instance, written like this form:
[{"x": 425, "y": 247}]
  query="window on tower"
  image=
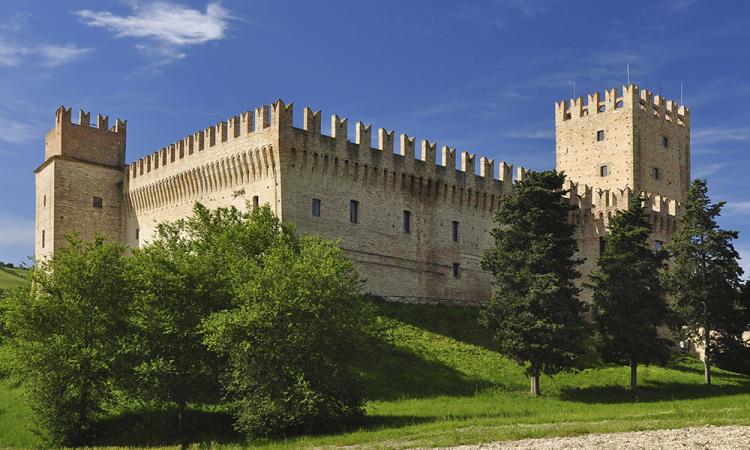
[
  {"x": 316, "y": 207},
  {"x": 665, "y": 142},
  {"x": 97, "y": 202},
  {"x": 600, "y": 135},
  {"x": 603, "y": 171},
  {"x": 655, "y": 173}
]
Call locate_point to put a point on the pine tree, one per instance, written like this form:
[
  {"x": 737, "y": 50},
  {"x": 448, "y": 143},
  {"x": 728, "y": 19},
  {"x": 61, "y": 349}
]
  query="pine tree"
[
  {"x": 628, "y": 299},
  {"x": 704, "y": 277},
  {"x": 534, "y": 311}
]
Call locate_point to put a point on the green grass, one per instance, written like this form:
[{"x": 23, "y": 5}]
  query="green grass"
[
  {"x": 10, "y": 278},
  {"x": 433, "y": 380}
]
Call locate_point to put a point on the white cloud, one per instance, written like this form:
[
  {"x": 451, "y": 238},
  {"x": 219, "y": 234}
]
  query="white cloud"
[
  {"x": 705, "y": 170},
  {"x": 16, "y": 231},
  {"x": 721, "y": 134},
  {"x": 18, "y": 132},
  {"x": 165, "y": 25},
  {"x": 531, "y": 134},
  {"x": 739, "y": 207},
  {"x": 14, "y": 51}
]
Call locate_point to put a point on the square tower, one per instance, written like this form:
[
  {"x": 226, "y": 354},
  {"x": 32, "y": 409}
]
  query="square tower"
[{"x": 633, "y": 139}]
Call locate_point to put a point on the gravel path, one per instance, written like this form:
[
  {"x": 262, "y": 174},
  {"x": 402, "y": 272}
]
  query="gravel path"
[{"x": 694, "y": 438}]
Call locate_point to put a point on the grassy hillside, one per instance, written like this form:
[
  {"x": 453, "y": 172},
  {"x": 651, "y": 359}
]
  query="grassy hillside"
[
  {"x": 10, "y": 278},
  {"x": 433, "y": 380}
]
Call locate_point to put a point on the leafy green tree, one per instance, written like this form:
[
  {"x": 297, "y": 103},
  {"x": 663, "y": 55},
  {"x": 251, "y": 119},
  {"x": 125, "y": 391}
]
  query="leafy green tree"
[
  {"x": 64, "y": 336},
  {"x": 704, "y": 274},
  {"x": 534, "y": 311},
  {"x": 298, "y": 321},
  {"x": 175, "y": 288},
  {"x": 629, "y": 303}
]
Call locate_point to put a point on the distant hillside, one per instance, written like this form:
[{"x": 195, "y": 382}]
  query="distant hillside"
[{"x": 12, "y": 277}]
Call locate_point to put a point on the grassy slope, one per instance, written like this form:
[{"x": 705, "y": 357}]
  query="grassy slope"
[
  {"x": 434, "y": 381},
  {"x": 10, "y": 278}
]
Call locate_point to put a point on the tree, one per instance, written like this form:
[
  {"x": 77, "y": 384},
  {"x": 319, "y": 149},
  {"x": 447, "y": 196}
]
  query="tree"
[
  {"x": 298, "y": 321},
  {"x": 175, "y": 288},
  {"x": 64, "y": 336},
  {"x": 628, "y": 299},
  {"x": 704, "y": 275},
  {"x": 534, "y": 311}
]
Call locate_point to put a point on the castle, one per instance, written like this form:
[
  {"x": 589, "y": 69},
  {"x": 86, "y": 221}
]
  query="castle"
[{"x": 415, "y": 229}]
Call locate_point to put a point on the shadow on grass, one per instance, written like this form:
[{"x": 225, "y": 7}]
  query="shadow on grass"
[
  {"x": 391, "y": 373},
  {"x": 654, "y": 391},
  {"x": 159, "y": 428},
  {"x": 692, "y": 365},
  {"x": 447, "y": 320}
]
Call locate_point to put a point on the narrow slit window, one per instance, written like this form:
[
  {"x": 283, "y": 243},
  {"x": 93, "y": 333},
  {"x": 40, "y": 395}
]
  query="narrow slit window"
[
  {"x": 456, "y": 270},
  {"x": 256, "y": 202},
  {"x": 600, "y": 135},
  {"x": 407, "y": 221},
  {"x": 98, "y": 203},
  {"x": 353, "y": 211},
  {"x": 655, "y": 173},
  {"x": 137, "y": 234},
  {"x": 454, "y": 231},
  {"x": 316, "y": 207},
  {"x": 43, "y": 236},
  {"x": 603, "y": 171},
  {"x": 45, "y": 200},
  {"x": 665, "y": 142}
]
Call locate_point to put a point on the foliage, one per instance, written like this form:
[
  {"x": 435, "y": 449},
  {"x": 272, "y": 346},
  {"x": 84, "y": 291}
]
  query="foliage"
[
  {"x": 628, "y": 300},
  {"x": 704, "y": 276},
  {"x": 64, "y": 336},
  {"x": 534, "y": 311},
  {"x": 289, "y": 341},
  {"x": 165, "y": 362}
]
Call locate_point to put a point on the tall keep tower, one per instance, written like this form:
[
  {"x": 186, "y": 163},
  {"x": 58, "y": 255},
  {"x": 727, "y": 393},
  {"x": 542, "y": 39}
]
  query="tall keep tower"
[
  {"x": 79, "y": 185},
  {"x": 634, "y": 140}
]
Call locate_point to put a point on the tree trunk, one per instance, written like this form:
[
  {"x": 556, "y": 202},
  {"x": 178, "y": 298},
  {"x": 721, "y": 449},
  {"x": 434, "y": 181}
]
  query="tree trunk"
[
  {"x": 706, "y": 354},
  {"x": 633, "y": 375},
  {"x": 181, "y": 406},
  {"x": 535, "y": 391}
]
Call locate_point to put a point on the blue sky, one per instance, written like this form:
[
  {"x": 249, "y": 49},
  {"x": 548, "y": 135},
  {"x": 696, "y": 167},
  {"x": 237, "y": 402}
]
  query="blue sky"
[{"x": 477, "y": 75}]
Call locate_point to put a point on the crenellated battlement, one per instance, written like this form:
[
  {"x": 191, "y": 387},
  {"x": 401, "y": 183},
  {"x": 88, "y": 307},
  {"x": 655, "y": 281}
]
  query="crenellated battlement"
[
  {"x": 629, "y": 97},
  {"x": 600, "y": 205},
  {"x": 63, "y": 117},
  {"x": 279, "y": 119}
]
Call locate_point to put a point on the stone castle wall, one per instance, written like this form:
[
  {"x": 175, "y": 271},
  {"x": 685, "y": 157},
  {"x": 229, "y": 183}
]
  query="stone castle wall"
[{"x": 261, "y": 157}]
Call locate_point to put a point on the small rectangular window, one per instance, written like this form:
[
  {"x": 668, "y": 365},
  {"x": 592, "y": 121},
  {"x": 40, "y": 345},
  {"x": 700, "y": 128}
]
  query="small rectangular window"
[
  {"x": 454, "y": 231},
  {"x": 98, "y": 203},
  {"x": 43, "y": 238},
  {"x": 655, "y": 173},
  {"x": 603, "y": 171},
  {"x": 137, "y": 234},
  {"x": 600, "y": 135},
  {"x": 256, "y": 202},
  {"x": 407, "y": 221},
  {"x": 316, "y": 207},
  {"x": 658, "y": 245},
  {"x": 665, "y": 142},
  {"x": 602, "y": 245},
  {"x": 353, "y": 211},
  {"x": 456, "y": 270}
]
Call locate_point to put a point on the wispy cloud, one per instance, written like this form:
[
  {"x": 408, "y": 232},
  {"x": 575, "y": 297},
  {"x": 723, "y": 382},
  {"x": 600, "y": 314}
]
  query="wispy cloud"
[
  {"x": 498, "y": 13},
  {"x": 16, "y": 231},
  {"x": 531, "y": 134},
  {"x": 721, "y": 134},
  {"x": 163, "y": 29},
  {"x": 738, "y": 207},
  {"x": 15, "y": 51},
  {"x": 18, "y": 132},
  {"x": 50, "y": 55},
  {"x": 707, "y": 169}
]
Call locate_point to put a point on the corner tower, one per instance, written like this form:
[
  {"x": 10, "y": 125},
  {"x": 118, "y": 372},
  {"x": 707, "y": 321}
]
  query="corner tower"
[
  {"x": 79, "y": 185},
  {"x": 629, "y": 138}
]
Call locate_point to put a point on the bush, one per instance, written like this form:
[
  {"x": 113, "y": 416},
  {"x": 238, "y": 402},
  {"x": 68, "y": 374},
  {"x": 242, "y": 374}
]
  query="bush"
[{"x": 290, "y": 339}]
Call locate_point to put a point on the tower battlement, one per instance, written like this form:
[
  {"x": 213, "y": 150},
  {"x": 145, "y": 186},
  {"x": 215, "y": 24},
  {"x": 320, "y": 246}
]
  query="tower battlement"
[
  {"x": 94, "y": 143},
  {"x": 629, "y": 97}
]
